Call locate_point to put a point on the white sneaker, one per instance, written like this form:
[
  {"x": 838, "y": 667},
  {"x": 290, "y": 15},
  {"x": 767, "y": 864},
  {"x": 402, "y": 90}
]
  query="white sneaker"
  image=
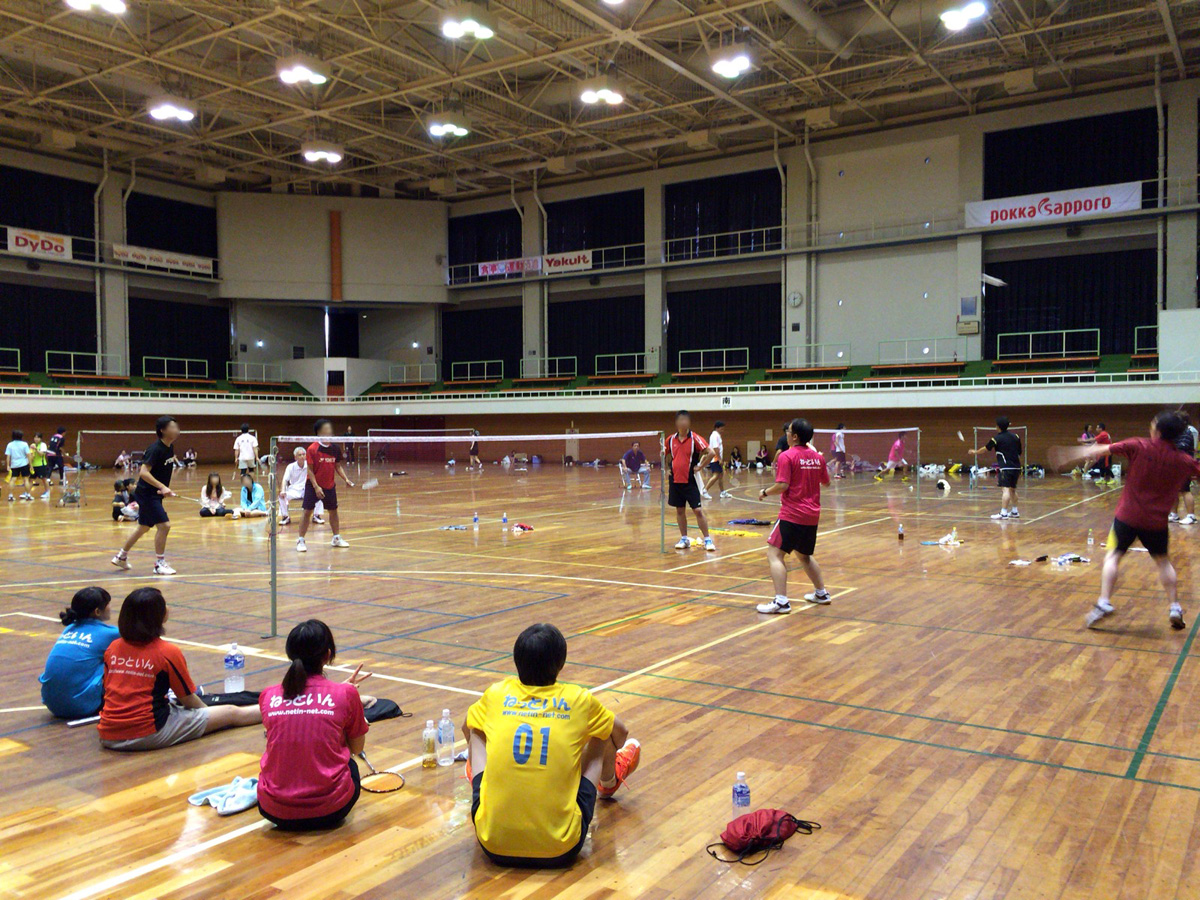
[
  {"x": 317, "y": 520},
  {"x": 1003, "y": 514},
  {"x": 1102, "y": 610},
  {"x": 646, "y": 486},
  {"x": 1189, "y": 519},
  {"x": 725, "y": 495},
  {"x": 684, "y": 543},
  {"x": 1014, "y": 513},
  {"x": 161, "y": 568},
  {"x": 1176, "y": 617},
  {"x": 301, "y": 547},
  {"x": 1173, "y": 517},
  {"x": 774, "y": 608},
  {"x": 821, "y": 599},
  {"x": 339, "y": 541},
  {"x": 237, "y": 513},
  {"x": 709, "y": 545},
  {"x": 121, "y": 562},
  {"x": 705, "y": 494},
  {"x": 286, "y": 520}
]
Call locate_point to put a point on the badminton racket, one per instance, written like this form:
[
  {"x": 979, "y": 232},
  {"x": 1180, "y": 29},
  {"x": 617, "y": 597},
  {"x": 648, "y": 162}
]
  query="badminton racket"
[{"x": 376, "y": 782}]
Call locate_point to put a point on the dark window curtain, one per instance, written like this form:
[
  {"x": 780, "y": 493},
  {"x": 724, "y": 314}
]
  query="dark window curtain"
[
  {"x": 180, "y": 330},
  {"x": 343, "y": 332},
  {"x": 585, "y": 328},
  {"x": 604, "y": 221},
  {"x": 48, "y": 203},
  {"x": 480, "y": 334},
  {"x": 162, "y": 224},
  {"x": 38, "y": 319},
  {"x": 746, "y": 316},
  {"x": 484, "y": 237},
  {"x": 1110, "y": 291},
  {"x": 1078, "y": 153},
  {"x": 699, "y": 216}
]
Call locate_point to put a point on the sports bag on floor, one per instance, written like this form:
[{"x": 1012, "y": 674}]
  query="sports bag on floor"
[{"x": 761, "y": 831}]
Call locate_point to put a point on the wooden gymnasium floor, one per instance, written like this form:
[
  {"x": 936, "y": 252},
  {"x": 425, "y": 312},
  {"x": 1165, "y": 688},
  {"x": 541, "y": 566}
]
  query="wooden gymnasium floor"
[{"x": 947, "y": 720}]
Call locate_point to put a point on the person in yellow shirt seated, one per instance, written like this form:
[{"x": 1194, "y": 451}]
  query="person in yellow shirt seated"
[{"x": 542, "y": 751}]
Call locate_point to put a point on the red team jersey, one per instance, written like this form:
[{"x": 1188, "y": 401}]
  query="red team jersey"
[
  {"x": 684, "y": 455},
  {"x": 1157, "y": 470},
  {"x": 803, "y": 470},
  {"x": 323, "y": 460}
]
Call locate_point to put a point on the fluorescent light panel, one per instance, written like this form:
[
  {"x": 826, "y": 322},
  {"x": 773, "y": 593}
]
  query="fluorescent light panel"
[
  {"x": 114, "y": 7},
  {"x": 731, "y": 61},
  {"x": 958, "y": 18},
  {"x": 301, "y": 69},
  {"x": 448, "y": 124},
  {"x": 322, "y": 151},
  {"x": 467, "y": 20},
  {"x": 167, "y": 108},
  {"x": 601, "y": 90}
]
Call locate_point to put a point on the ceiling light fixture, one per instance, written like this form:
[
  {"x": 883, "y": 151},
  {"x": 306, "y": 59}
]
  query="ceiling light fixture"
[
  {"x": 731, "y": 61},
  {"x": 467, "y": 20},
  {"x": 448, "y": 124},
  {"x": 958, "y": 18},
  {"x": 166, "y": 107},
  {"x": 322, "y": 151},
  {"x": 613, "y": 2},
  {"x": 300, "y": 69},
  {"x": 115, "y": 7},
  {"x": 601, "y": 89}
]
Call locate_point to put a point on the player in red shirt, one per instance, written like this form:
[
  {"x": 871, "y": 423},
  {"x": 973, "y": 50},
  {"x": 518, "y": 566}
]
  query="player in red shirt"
[
  {"x": 324, "y": 462},
  {"x": 1156, "y": 469},
  {"x": 687, "y": 454},
  {"x": 799, "y": 473}
]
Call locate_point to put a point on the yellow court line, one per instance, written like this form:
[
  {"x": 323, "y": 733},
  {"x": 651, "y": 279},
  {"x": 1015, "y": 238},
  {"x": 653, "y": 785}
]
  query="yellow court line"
[
  {"x": 23, "y": 709},
  {"x": 763, "y": 547},
  {"x": 1055, "y": 512}
]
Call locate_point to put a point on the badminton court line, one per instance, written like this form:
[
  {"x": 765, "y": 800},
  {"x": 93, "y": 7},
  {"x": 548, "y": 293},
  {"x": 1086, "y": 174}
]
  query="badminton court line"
[
  {"x": 762, "y": 547},
  {"x": 1055, "y": 512}
]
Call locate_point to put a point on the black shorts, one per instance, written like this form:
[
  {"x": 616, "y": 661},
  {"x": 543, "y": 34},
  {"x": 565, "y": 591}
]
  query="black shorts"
[
  {"x": 1008, "y": 478},
  {"x": 1186, "y": 489},
  {"x": 791, "y": 537},
  {"x": 150, "y": 508},
  {"x": 20, "y": 471},
  {"x": 586, "y": 798},
  {"x": 1122, "y": 536},
  {"x": 310, "y": 497},
  {"x": 41, "y": 471},
  {"x": 715, "y": 467},
  {"x": 58, "y": 462},
  {"x": 840, "y": 456},
  {"x": 681, "y": 495}
]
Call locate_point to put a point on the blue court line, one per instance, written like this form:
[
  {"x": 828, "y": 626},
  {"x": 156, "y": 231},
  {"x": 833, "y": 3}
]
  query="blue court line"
[{"x": 4, "y": 734}]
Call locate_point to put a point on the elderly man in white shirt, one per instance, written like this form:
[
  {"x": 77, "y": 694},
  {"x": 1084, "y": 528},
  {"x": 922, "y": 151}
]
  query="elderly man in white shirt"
[{"x": 292, "y": 488}]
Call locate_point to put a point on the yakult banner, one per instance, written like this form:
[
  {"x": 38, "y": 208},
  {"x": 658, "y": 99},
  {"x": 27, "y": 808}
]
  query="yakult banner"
[
  {"x": 163, "y": 259},
  {"x": 1056, "y": 205},
  {"x": 39, "y": 243},
  {"x": 579, "y": 261},
  {"x": 511, "y": 266}
]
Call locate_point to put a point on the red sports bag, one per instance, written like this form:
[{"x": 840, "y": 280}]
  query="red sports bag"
[{"x": 759, "y": 832}]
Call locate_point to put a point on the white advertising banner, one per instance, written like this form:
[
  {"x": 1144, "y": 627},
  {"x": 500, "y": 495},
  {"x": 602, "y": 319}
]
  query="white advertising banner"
[
  {"x": 579, "y": 261},
  {"x": 511, "y": 266},
  {"x": 163, "y": 259},
  {"x": 42, "y": 244},
  {"x": 1056, "y": 205}
]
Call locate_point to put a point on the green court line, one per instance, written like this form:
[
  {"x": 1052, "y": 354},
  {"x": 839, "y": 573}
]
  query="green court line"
[
  {"x": 915, "y": 741},
  {"x": 1148, "y": 735}
]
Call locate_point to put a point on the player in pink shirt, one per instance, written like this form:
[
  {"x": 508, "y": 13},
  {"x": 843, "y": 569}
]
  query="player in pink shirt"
[
  {"x": 895, "y": 458},
  {"x": 799, "y": 473},
  {"x": 309, "y": 780}
]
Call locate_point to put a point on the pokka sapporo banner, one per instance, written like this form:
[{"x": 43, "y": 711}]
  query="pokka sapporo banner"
[{"x": 1053, "y": 206}]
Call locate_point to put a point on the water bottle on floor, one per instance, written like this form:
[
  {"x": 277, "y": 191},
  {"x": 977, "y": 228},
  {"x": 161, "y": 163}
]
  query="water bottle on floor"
[
  {"x": 429, "y": 746},
  {"x": 235, "y": 670},
  {"x": 504, "y": 522},
  {"x": 741, "y": 796},
  {"x": 475, "y": 522},
  {"x": 445, "y": 740},
  {"x": 1091, "y": 538}
]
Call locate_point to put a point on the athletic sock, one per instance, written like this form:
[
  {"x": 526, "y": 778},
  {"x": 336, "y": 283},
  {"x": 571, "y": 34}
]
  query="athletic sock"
[
  {"x": 781, "y": 599},
  {"x": 161, "y": 558},
  {"x": 121, "y": 554},
  {"x": 610, "y": 784}
]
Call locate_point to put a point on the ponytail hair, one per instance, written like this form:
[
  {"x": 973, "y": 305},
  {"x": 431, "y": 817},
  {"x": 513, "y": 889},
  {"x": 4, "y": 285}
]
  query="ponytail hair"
[
  {"x": 85, "y": 604},
  {"x": 309, "y": 646}
]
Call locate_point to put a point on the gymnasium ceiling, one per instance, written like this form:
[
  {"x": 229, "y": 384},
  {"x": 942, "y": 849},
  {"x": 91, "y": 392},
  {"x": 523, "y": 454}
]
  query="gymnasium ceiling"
[{"x": 76, "y": 84}]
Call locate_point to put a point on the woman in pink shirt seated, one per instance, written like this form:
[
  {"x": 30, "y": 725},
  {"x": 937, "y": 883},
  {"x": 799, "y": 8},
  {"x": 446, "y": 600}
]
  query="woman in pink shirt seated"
[{"x": 309, "y": 779}]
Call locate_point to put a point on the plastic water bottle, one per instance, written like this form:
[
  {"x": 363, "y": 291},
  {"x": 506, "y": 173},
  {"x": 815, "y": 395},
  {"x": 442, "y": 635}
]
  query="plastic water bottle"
[
  {"x": 900, "y": 532},
  {"x": 429, "y": 746},
  {"x": 504, "y": 522},
  {"x": 445, "y": 740},
  {"x": 475, "y": 521},
  {"x": 954, "y": 535},
  {"x": 235, "y": 670},
  {"x": 1091, "y": 538},
  {"x": 741, "y": 796}
]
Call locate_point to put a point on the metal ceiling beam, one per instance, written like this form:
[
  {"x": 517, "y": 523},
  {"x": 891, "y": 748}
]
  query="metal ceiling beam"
[
  {"x": 1164, "y": 10},
  {"x": 875, "y": 8}
]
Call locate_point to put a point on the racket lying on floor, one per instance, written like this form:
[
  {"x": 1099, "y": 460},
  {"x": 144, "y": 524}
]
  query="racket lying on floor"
[{"x": 376, "y": 782}]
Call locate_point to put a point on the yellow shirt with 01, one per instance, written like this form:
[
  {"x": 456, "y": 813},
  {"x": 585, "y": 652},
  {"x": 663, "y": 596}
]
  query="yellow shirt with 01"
[{"x": 535, "y": 741}]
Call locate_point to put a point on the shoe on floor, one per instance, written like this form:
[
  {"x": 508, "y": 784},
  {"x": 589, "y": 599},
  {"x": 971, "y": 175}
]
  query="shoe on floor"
[
  {"x": 1102, "y": 610},
  {"x": 1173, "y": 517},
  {"x": 1176, "y": 617},
  {"x": 1014, "y": 513},
  {"x": 317, "y": 520},
  {"x": 709, "y": 545},
  {"x": 1003, "y": 514},
  {"x": 822, "y": 598},
  {"x": 339, "y": 541},
  {"x": 725, "y": 495},
  {"x": 684, "y": 543},
  {"x": 774, "y": 608},
  {"x": 301, "y": 546},
  {"x": 628, "y": 758},
  {"x": 286, "y": 520},
  {"x": 161, "y": 568},
  {"x": 122, "y": 562},
  {"x": 1188, "y": 520},
  {"x": 706, "y": 495}
]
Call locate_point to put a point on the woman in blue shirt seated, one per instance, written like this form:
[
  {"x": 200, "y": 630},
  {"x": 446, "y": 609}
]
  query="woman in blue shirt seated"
[
  {"x": 253, "y": 502},
  {"x": 72, "y": 685}
]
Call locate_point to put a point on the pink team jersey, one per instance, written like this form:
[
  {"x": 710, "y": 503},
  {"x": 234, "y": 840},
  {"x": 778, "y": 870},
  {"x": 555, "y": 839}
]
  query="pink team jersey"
[
  {"x": 306, "y": 765},
  {"x": 803, "y": 470},
  {"x": 897, "y": 452}
]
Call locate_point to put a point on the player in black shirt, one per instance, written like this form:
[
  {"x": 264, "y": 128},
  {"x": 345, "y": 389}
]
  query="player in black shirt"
[
  {"x": 1187, "y": 443},
  {"x": 1007, "y": 447},
  {"x": 56, "y": 456},
  {"x": 154, "y": 483}
]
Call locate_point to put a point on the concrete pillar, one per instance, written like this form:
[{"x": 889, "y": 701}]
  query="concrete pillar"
[
  {"x": 655, "y": 344},
  {"x": 970, "y": 249},
  {"x": 1182, "y": 165},
  {"x": 799, "y": 323},
  {"x": 533, "y": 317},
  {"x": 112, "y": 287}
]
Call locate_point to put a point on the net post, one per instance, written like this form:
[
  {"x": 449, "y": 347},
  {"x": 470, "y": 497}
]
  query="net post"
[
  {"x": 918, "y": 472},
  {"x": 662, "y": 492},
  {"x": 273, "y": 536}
]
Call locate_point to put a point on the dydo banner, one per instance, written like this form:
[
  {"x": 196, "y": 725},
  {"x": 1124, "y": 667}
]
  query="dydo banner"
[
  {"x": 42, "y": 244},
  {"x": 1056, "y": 205}
]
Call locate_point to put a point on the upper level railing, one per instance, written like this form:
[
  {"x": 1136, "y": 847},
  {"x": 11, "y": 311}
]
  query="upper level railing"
[
  {"x": 412, "y": 373},
  {"x": 172, "y": 367},
  {"x": 254, "y": 372},
  {"x": 809, "y": 356},
  {"x": 714, "y": 359},
  {"x": 1145, "y": 339},
  {"x": 923, "y": 350},
  {"x": 1048, "y": 344},
  {"x": 626, "y": 363},
  {"x": 550, "y": 367},
  {"x": 477, "y": 370},
  {"x": 50, "y": 246},
  {"x": 10, "y": 359},
  {"x": 799, "y": 236},
  {"x": 94, "y": 365}
]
